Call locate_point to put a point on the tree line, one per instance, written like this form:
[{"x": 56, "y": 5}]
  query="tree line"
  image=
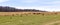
[{"x": 12, "y": 9}]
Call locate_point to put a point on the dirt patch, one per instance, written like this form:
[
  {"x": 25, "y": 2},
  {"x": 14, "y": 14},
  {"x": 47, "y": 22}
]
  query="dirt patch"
[{"x": 51, "y": 23}]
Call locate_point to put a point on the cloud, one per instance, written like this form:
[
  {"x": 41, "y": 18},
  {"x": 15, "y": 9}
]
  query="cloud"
[
  {"x": 46, "y": 8},
  {"x": 3, "y": 1}
]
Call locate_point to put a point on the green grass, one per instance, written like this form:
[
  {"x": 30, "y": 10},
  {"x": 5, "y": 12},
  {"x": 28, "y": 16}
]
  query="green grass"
[{"x": 28, "y": 20}]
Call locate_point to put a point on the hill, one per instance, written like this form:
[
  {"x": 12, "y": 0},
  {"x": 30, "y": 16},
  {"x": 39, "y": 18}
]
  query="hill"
[{"x": 12, "y": 9}]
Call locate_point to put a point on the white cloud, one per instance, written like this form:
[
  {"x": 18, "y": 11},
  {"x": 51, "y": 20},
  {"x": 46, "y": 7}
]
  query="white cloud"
[
  {"x": 3, "y": 1},
  {"x": 47, "y": 8}
]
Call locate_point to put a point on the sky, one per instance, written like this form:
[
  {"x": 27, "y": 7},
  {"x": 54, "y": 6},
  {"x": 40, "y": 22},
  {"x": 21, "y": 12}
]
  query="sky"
[{"x": 47, "y": 5}]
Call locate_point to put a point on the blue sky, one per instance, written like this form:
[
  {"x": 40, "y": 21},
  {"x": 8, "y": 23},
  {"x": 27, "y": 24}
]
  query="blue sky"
[{"x": 48, "y": 5}]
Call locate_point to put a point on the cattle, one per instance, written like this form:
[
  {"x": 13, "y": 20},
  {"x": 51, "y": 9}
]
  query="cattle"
[
  {"x": 43, "y": 14},
  {"x": 13, "y": 15},
  {"x": 34, "y": 13},
  {"x": 56, "y": 13},
  {"x": 37, "y": 13}
]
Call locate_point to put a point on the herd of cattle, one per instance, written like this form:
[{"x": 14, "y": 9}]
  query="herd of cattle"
[{"x": 29, "y": 13}]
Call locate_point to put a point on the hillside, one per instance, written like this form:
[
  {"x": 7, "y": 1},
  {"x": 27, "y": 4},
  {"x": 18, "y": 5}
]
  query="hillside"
[{"x": 12, "y": 9}]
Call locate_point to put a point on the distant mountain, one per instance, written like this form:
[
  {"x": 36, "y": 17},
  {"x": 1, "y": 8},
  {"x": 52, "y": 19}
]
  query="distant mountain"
[{"x": 12, "y": 9}]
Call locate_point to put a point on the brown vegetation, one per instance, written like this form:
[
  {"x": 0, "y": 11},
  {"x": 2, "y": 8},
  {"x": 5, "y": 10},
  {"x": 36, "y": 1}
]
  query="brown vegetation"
[{"x": 27, "y": 13}]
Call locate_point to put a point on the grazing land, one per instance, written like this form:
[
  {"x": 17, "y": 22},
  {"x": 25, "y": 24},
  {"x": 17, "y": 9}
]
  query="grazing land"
[{"x": 29, "y": 18}]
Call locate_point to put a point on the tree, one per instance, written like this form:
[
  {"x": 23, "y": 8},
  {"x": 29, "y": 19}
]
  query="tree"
[{"x": 12, "y": 9}]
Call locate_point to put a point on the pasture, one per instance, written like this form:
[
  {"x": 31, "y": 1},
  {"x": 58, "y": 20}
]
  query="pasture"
[{"x": 29, "y": 18}]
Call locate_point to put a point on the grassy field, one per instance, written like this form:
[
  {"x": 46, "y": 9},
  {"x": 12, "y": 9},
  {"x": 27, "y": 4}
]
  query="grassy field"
[{"x": 30, "y": 19}]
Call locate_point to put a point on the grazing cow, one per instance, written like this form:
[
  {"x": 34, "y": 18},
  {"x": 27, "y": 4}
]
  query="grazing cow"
[
  {"x": 55, "y": 13},
  {"x": 13, "y": 15},
  {"x": 43, "y": 14},
  {"x": 34, "y": 13},
  {"x": 37, "y": 13}
]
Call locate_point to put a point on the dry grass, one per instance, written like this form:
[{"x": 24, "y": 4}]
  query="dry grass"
[{"x": 25, "y": 13}]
